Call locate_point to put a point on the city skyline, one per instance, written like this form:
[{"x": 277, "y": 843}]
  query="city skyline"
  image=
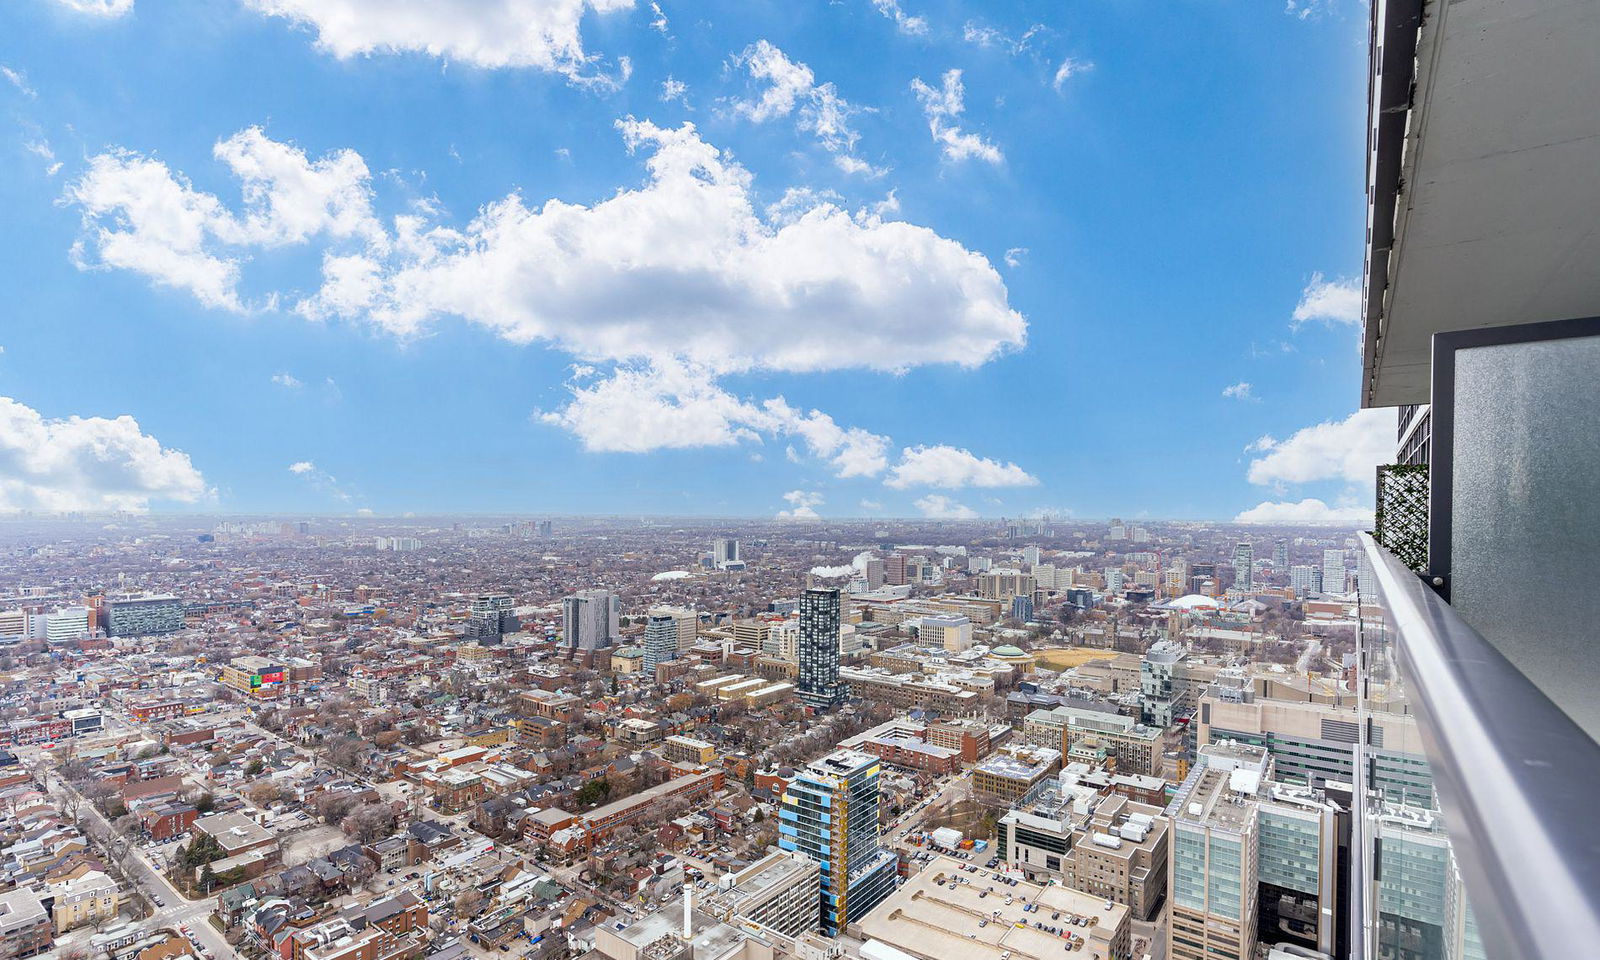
[
  {"x": 239, "y": 269},
  {"x": 744, "y": 480}
]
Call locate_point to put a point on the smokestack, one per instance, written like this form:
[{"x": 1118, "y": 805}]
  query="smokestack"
[{"x": 688, "y": 899}]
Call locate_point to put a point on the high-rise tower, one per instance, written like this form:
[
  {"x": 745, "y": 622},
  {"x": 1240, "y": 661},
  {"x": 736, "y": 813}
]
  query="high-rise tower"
[
  {"x": 830, "y": 815},
  {"x": 660, "y": 641},
  {"x": 1244, "y": 558},
  {"x": 818, "y": 654},
  {"x": 590, "y": 619}
]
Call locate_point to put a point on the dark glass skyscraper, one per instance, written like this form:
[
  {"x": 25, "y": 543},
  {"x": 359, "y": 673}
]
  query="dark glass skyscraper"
[{"x": 819, "y": 648}]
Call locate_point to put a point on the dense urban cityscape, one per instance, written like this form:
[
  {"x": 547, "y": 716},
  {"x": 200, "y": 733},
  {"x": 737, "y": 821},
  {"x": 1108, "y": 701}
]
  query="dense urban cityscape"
[
  {"x": 346, "y": 739},
  {"x": 752, "y": 480}
]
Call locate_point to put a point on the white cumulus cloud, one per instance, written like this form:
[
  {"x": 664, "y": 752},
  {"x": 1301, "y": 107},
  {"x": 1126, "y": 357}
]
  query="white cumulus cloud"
[
  {"x": 536, "y": 34},
  {"x": 952, "y": 468},
  {"x": 109, "y": 9},
  {"x": 1347, "y": 450},
  {"x": 685, "y": 266},
  {"x": 87, "y": 463},
  {"x": 140, "y": 216},
  {"x": 673, "y": 285},
  {"x": 852, "y": 451},
  {"x": 1239, "y": 391},
  {"x": 792, "y": 88},
  {"x": 939, "y": 507},
  {"x": 1308, "y": 512},
  {"x": 803, "y": 505},
  {"x": 287, "y": 380},
  {"x": 915, "y": 26},
  {"x": 289, "y": 198},
  {"x": 941, "y": 105},
  {"x": 669, "y": 405},
  {"x": 1330, "y": 301}
]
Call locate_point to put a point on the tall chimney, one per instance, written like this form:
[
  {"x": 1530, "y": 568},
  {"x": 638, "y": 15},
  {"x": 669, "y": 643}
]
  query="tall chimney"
[{"x": 688, "y": 898}]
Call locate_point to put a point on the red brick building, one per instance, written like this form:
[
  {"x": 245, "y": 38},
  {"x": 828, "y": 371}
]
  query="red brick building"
[
  {"x": 910, "y": 754},
  {"x": 164, "y": 821},
  {"x": 603, "y": 820},
  {"x": 148, "y": 710},
  {"x": 969, "y": 737}
]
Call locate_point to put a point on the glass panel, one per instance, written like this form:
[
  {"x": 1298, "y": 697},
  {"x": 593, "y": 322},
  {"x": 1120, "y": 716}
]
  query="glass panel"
[
  {"x": 1416, "y": 906},
  {"x": 1525, "y": 511}
]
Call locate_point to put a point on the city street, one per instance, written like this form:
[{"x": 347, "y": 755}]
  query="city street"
[
  {"x": 953, "y": 790},
  {"x": 142, "y": 873}
]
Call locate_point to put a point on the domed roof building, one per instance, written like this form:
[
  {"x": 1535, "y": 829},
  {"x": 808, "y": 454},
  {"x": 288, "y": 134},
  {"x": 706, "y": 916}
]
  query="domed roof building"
[{"x": 1018, "y": 658}]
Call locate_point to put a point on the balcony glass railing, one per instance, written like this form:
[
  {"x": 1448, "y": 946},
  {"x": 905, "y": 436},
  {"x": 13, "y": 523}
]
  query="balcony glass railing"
[{"x": 1474, "y": 834}]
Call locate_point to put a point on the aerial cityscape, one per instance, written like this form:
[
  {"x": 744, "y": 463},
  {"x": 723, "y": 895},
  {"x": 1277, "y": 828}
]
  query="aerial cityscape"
[
  {"x": 355, "y": 739},
  {"x": 763, "y": 480}
]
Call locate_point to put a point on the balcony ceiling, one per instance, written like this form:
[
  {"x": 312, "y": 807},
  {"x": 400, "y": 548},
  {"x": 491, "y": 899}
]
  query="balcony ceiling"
[{"x": 1497, "y": 219}]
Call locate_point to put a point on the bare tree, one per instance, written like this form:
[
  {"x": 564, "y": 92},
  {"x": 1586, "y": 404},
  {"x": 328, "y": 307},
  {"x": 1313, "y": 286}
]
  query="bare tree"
[
  {"x": 346, "y": 753},
  {"x": 334, "y": 807},
  {"x": 468, "y": 902},
  {"x": 369, "y": 822},
  {"x": 263, "y": 793}
]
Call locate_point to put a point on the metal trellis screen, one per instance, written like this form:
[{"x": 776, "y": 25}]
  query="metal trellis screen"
[{"x": 1402, "y": 515}]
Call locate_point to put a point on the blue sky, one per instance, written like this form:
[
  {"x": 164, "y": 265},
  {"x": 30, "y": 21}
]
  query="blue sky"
[{"x": 295, "y": 256}]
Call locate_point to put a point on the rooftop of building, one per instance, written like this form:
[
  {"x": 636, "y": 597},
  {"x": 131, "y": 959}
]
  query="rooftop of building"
[
  {"x": 1111, "y": 723},
  {"x": 913, "y": 745},
  {"x": 233, "y": 830},
  {"x": 931, "y": 920},
  {"x": 1221, "y": 789},
  {"x": 773, "y": 870},
  {"x": 1013, "y": 767},
  {"x": 838, "y": 764},
  {"x": 711, "y": 937},
  {"x": 19, "y": 908},
  {"x": 1121, "y": 827},
  {"x": 252, "y": 662},
  {"x": 642, "y": 797}
]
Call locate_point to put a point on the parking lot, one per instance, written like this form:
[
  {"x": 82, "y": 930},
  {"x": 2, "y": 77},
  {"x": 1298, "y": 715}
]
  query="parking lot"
[{"x": 315, "y": 841}]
